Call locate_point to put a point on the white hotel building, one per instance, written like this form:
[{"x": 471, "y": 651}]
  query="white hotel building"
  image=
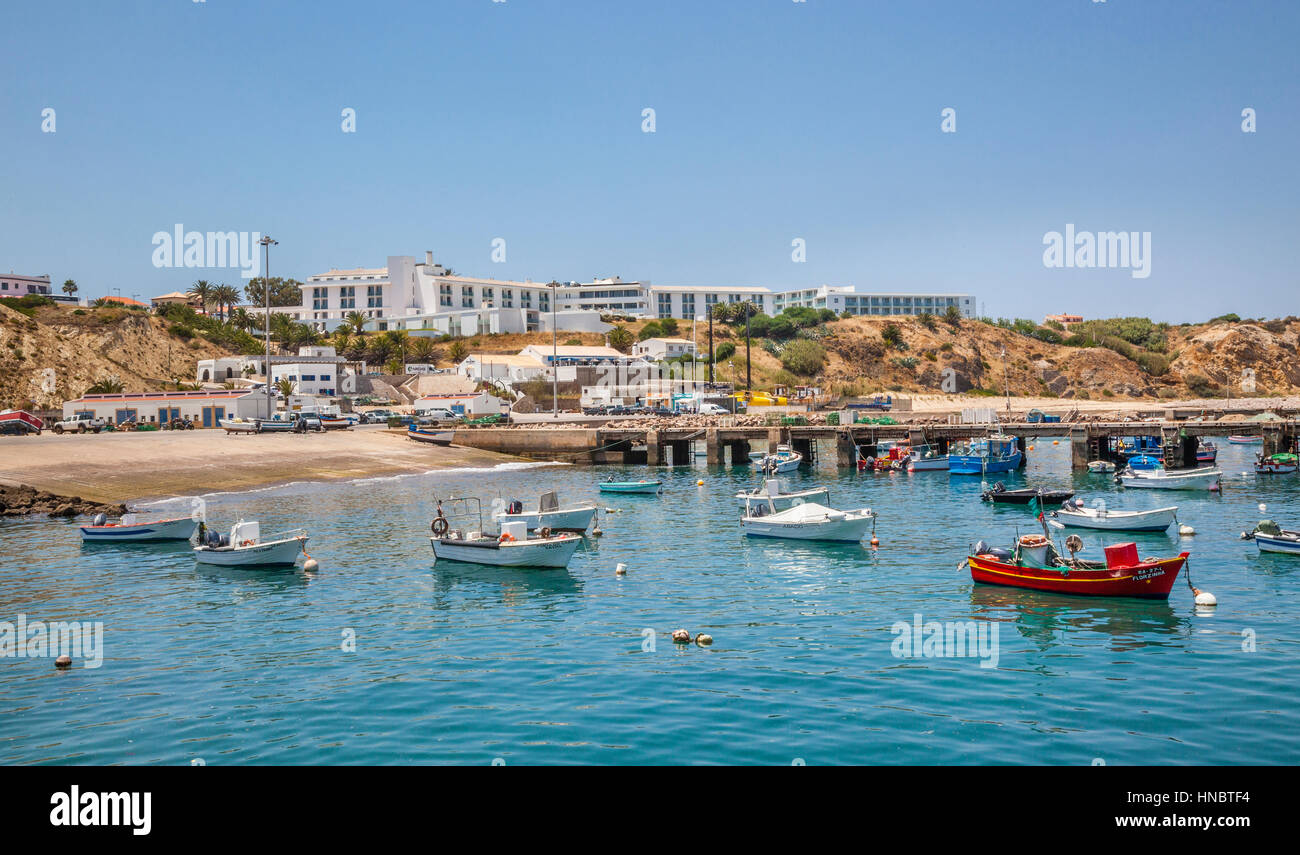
[{"x": 426, "y": 298}]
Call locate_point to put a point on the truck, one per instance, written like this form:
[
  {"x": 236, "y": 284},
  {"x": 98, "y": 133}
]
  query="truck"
[{"x": 79, "y": 425}]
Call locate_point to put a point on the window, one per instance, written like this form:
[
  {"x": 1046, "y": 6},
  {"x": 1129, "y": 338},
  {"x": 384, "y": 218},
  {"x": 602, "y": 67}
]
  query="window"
[
  {"x": 507, "y": 298},
  {"x": 526, "y": 299},
  {"x": 665, "y": 305},
  {"x": 348, "y": 297},
  {"x": 319, "y": 299},
  {"x": 487, "y": 296},
  {"x": 688, "y": 305},
  {"x": 466, "y": 297},
  {"x": 444, "y": 295},
  {"x": 374, "y": 296}
]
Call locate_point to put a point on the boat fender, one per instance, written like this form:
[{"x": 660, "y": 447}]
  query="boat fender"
[
  {"x": 100, "y": 519},
  {"x": 438, "y": 526}
]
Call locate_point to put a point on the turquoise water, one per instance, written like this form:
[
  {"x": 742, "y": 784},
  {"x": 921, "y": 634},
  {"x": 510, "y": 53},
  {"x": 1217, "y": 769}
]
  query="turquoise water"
[{"x": 462, "y": 664}]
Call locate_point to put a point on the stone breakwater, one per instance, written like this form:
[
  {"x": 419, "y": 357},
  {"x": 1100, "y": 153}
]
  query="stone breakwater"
[{"x": 24, "y": 500}]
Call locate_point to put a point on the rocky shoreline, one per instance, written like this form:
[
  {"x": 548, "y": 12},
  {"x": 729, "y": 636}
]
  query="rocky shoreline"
[{"x": 24, "y": 500}]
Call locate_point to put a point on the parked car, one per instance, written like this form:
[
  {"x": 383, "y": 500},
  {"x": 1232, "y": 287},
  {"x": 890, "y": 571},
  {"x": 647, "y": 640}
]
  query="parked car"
[
  {"x": 306, "y": 422},
  {"x": 78, "y": 425},
  {"x": 436, "y": 414}
]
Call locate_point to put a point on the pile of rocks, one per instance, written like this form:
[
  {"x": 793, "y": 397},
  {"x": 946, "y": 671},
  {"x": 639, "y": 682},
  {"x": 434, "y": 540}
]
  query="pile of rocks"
[{"x": 24, "y": 500}]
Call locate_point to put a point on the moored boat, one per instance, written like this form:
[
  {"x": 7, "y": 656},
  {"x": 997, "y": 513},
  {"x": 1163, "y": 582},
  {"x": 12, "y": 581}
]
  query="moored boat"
[
  {"x": 1207, "y": 452},
  {"x": 245, "y": 546},
  {"x": 998, "y": 453},
  {"x": 806, "y": 521},
  {"x": 1077, "y": 516},
  {"x": 339, "y": 422},
  {"x": 1035, "y": 564},
  {"x": 20, "y": 421},
  {"x": 434, "y": 437},
  {"x": 549, "y": 514},
  {"x": 1270, "y": 537},
  {"x": 999, "y": 493},
  {"x": 130, "y": 528},
  {"x": 1245, "y": 440},
  {"x": 1205, "y": 478},
  {"x": 925, "y": 458},
  {"x": 239, "y": 425},
  {"x": 1277, "y": 464},
  {"x": 1097, "y": 466},
  {"x": 612, "y": 486},
  {"x": 513, "y": 547},
  {"x": 275, "y": 425},
  {"x": 783, "y": 460}
]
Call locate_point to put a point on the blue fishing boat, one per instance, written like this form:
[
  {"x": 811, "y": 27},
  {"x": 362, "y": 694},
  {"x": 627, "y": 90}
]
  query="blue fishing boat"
[
  {"x": 1145, "y": 461},
  {"x": 994, "y": 454}
]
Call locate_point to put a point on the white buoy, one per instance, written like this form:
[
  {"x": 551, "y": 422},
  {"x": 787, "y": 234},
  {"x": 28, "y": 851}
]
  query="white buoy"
[
  {"x": 1263, "y": 508},
  {"x": 310, "y": 564},
  {"x": 681, "y": 636},
  {"x": 621, "y": 569},
  {"x": 1205, "y": 598},
  {"x": 703, "y": 639},
  {"x": 1186, "y": 530}
]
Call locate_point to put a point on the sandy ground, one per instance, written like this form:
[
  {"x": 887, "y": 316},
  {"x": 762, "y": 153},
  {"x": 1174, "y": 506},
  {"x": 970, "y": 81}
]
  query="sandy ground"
[{"x": 119, "y": 467}]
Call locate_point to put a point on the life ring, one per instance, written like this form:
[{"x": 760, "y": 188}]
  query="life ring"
[
  {"x": 506, "y": 537},
  {"x": 1033, "y": 540},
  {"x": 244, "y": 543},
  {"x": 439, "y": 526},
  {"x": 544, "y": 532}
]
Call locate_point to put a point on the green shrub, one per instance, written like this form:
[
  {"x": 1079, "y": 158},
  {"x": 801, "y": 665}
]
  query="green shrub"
[
  {"x": 725, "y": 351},
  {"x": 803, "y": 357}
]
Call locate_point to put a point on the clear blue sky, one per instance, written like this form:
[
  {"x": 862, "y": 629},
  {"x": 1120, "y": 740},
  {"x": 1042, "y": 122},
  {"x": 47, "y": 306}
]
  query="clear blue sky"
[{"x": 775, "y": 120}]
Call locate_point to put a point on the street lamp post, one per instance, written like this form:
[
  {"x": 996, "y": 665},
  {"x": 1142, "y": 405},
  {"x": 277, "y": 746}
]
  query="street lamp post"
[
  {"x": 748, "y": 380},
  {"x": 709, "y": 310},
  {"x": 555, "y": 352},
  {"x": 267, "y": 243}
]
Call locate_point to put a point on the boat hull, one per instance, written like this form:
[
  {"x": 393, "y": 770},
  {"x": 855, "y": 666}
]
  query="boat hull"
[
  {"x": 552, "y": 552},
  {"x": 1196, "y": 480},
  {"x": 630, "y": 487},
  {"x": 238, "y": 427},
  {"x": 433, "y": 437},
  {"x": 1156, "y": 520},
  {"x": 1282, "y": 545},
  {"x": 848, "y": 530},
  {"x": 182, "y": 528},
  {"x": 960, "y": 464},
  {"x": 928, "y": 464},
  {"x": 262, "y": 554},
  {"x": 1245, "y": 440},
  {"x": 1149, "y": 580},
  {"x": 565, "y": 519},
  {"x": 1024, "y": 497},
  {"x": 274, "y": 426}
]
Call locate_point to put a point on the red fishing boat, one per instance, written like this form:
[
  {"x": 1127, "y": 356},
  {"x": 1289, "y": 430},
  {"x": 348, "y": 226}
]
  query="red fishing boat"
[
  {"x": 19, "y": 421},
  {"x": 1035, "y": 564}
]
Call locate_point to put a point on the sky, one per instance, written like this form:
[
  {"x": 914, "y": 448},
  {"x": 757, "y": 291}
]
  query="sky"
[{"x": 774, "y": 122}]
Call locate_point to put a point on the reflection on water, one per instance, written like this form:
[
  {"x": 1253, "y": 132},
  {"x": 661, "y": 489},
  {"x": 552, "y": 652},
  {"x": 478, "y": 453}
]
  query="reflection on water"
[{"x": 384, "y": 656}]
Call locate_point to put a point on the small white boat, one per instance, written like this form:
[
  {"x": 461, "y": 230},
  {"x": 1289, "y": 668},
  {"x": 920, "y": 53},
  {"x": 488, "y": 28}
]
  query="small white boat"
[
  {"x": 782, "y": 499},
  {"x": 783, "y": 460},
  {"x": 512, "y": 548},
  {"x": 245, "y": 546},
  {"x": 549, "y": 514},
  {"x": 809, "y": 521},
  {"x": 923, "y": 458},
  {"x": 131, "y": 528},
  {"x": 1101, "y": 466},
  {"x": 335, "y": 422},
  {"x": 1206, "y": 478},
  {"x": 1076, "y": 516},
  {"x": 1270, "y": 538},
  {"x": 238, "y": 425}
]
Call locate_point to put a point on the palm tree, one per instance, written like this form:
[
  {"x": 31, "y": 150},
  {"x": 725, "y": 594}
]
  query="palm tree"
[
  {"x": 284, "y": 386},
  {"x": 242, "y": 319},
  {"x": 202, "y": 292},
  {"x": 457, "y": 352},
  {"x": 226, "y": 296},
  {"x": 70, "y": 287},
  {"x": 109, "y": 385},
  {"x": 357, "y": 321}
]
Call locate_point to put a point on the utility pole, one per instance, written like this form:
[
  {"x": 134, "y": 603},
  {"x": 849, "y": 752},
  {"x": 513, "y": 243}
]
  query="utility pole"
[
  {"x": 1006, "y": 383},
  {"x": 267, "y": 243},
  {"x": 709, "y": 309},
  {"x": 747, "y": 305},
  {"x": 555, "y": 352}
]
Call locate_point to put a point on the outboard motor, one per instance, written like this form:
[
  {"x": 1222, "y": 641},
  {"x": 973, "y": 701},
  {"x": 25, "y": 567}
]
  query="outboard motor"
[
  {"x": 211, "y": 539},
  {"x": 516, "y": 507},
  {"x": 100, "y": 519},
  {"x": 981, "y": 548}
]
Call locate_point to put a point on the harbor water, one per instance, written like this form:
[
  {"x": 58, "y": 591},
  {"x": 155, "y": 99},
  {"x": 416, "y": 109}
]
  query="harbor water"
[{"x": 382, "y": 656}]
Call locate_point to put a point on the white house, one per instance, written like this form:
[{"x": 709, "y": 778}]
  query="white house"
[
  {"x": 660, "y": 349},
  {"x": 468, "y": 404},
  {"x": 204, "y": 408},
  {"x": 508, "y": 368}
]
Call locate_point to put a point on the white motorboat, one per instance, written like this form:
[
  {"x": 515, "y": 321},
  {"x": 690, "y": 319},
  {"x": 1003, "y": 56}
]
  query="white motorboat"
[
  {"x": 274, "y": 425},
  {"x": 781, "y": 498},
  {"x": 511, "y": 548},
  {"x": 781, "y": 461},
  {"x": 1101, "y": 466},
  {"x": 431, "y": 436},
  {"x": 1075, "y": 515},
  {"x": 1269, "y": 537},
  {"x": 923, "y": 458},
  {"x": 549, "y": 514},
  {"x": 238, "y": 425},
  {"x": 131, "y": 528},
  {"x": 1206, "y": 478},
  {"x": 245, "y": 546},
  {"x": 808, "y": 521}
]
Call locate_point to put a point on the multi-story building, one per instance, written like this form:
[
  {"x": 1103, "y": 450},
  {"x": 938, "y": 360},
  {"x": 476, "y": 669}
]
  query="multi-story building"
[
  {"x": 15, "y": 285},
  {"x": 428, "y": 297}
]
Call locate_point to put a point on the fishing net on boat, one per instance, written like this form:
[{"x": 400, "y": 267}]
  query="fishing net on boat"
[{"x": 1268, "y": 527}]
